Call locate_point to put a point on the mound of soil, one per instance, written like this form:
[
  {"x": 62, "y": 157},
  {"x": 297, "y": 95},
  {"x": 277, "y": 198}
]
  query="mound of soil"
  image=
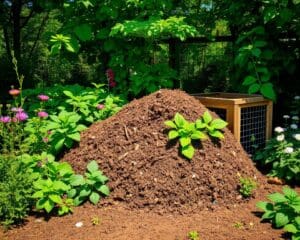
[{"x": 146, "y": 171}]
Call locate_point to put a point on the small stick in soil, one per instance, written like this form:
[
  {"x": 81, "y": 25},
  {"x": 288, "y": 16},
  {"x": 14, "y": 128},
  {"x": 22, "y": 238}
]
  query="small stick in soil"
[{"x": 126, "y": 132}]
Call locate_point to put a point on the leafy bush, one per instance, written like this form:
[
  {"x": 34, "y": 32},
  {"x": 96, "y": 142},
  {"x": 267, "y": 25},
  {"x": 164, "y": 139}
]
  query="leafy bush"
[
  {"x": 284, "y": 209},
  {"x": 91, "y": 187},
  {"x": 15, "y": 190},
  {"x": 294, "y": 228},
  {"x": 282, "y": 152},
  {"x": 247, "y": 186},
  {"x": 187, "y": 131}
]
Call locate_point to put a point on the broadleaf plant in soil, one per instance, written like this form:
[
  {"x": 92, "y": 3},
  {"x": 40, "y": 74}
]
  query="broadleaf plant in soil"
[
  {"x": 284, "y": 209},
  {"x": 294, "y": 228},
  {"x": 91, "y": 188},
  {"x": 187, "y": 131}
]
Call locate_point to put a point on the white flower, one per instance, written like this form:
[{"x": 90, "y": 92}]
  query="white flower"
[
  {"x": 293, "y": 126},
  {"x": 279, "y": 129},
  {"x": 295, "y": 118},
  {"x": 286, "y": 116},
  {"x": 280, "y": 138},
  {"x": 297, "y": 97},
  {"x": 79, "y": 224},
  {"x": 288, "y": 150},
  {"x": 297, "y": 136}
]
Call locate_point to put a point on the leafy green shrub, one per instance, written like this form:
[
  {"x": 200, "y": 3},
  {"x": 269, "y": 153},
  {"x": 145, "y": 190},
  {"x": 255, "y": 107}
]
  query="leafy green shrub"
[
  {"x": 91, "y": 187},
  {"x": 284, "y": 209},
  {"x": 187, "y": 131},
  {"x": 15, "y": 190},
  {"x": 282, "y": 152},
  {"x": 64, "y": 130},
  {"x": 247, "y": 186}
]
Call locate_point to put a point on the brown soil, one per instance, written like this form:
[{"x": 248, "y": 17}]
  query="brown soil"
[
  {"x": 147, "y": 172},
  {"x": 118, "y": 223},
  {"x": 156, "y": 193}
]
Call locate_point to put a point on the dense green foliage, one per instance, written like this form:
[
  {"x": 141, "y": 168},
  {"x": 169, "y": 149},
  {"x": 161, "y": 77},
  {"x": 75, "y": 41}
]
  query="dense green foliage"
[{"x": 247, "y": 186}]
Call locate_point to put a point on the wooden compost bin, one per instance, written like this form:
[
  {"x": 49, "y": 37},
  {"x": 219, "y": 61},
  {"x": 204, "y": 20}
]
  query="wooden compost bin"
[{"x": 249, "y": 117}]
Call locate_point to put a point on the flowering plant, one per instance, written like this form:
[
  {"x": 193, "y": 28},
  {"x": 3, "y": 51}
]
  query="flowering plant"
[{"x": 282, "y": 152}]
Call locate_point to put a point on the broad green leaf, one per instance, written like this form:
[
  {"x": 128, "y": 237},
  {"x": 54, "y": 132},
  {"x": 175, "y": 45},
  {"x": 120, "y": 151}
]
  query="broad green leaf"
[
  {"x": 259, "y": 43},
  {"x": 68, "y": 143},
  {"x": 173, "y": 134},
  {"x": 198, "y": 135},
  {"x": 253, "y": 88},
  {"x": 268, "y": 215},
  {"x": 78, "y": 200},
  {"x": 170, "y": 124},
  {"x": 184, "y": 141},
  {"x": 290, "y": 228},
  {"x": 277, "y": 197},
  {"x": 77, "y": 180},
  {"x": 74, "y": 136},
  {"x": 84, "y": 192},
  {"x": 72, "y": 193},
  {"x": 83, "y": 32},
  {"x": 80, "y": 127},
  {"x": 55, "y": 198},
  {"x": 104, "y": 189},
  {"x": 218, "y": 124},
  {"x": 207, "y": 117},
  {"x": 281, "y": 219},
  {"x": 267, "y": 90},
  {"x": 179, "y": 120},
  {"x": 296, "y": 2},
  {"x": 200, "y": 124},
  {"x": 216, "y": 134},
  {"x": 92, "y": 166},
  {"x": 265, "y": 206},
  {"x": 38, "y": 194},
  {"x": 58, "y": 144},
  {"x": 49, "y": 205},
  {"x": 249, "y": 80},
  {"x": 188, "y": 151},
  {"x": 269, "y": 13},
  {"x": 60, "y": 186},
  {"x": 256, "y": 52},
  {"x": 94, "y": 198}
]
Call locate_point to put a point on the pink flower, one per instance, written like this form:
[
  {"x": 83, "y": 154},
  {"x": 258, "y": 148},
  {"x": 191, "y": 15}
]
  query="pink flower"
[
  {"x": 100, "y": 106},
  {"x": 5, "y": 119},
  {"x": 14, "y": 109},
  {"x": 42, "y": 114},
  {"x": 43, "y": 97},
  {"x": 14, "y": 92},
  {"x": 49, "y": 132},
  {"x": 110, "y": 74},
  {"x": 21, "y": 116},
  {"x": 45, "y": 140}
]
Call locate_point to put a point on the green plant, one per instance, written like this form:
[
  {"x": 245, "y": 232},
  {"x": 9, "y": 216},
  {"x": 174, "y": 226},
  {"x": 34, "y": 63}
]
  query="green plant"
[
  {"x": 247, "y": 186},
  {"x": 284, "y": 209},
  {"x": 95, "y": 220},
  {"x": 282, "y": 153},
  {"x": 91, "y": 187},
  {"x": 64, "y": 130},
  {"x": 294, "y": 228},
  {"x": 193, "y": 235},
  {"x": 15, "y": 190},
  {"x": 187, "y": 131},
  {"x": 211, "y": 126},
  {"x": 238, "y": 225}
]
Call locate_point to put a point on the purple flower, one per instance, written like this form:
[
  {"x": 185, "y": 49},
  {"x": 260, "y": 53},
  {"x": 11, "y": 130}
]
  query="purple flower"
[
  {"x": 5, "y": 119},
  {"x": 100, "y": 106},
  {"x": 43, "y": 97},
  {"x": 42, "y": 114},
  {"x": 21, "y": 116},
  {"x": 17, "y": 109}
]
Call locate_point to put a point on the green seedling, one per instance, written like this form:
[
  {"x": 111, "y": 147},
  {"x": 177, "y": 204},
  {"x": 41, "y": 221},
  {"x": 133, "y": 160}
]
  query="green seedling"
[
  {"x": 193, "y": 235},
  {"x": 238, "y": 225},
  {"x": 247, "y": 186},
  {"x": 294, "y": 228},
  {"x": 95, "y": 220}
]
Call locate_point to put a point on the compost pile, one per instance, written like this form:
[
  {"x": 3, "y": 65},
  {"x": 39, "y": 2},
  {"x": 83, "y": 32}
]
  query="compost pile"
[{"x": 147, "y": 172}]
